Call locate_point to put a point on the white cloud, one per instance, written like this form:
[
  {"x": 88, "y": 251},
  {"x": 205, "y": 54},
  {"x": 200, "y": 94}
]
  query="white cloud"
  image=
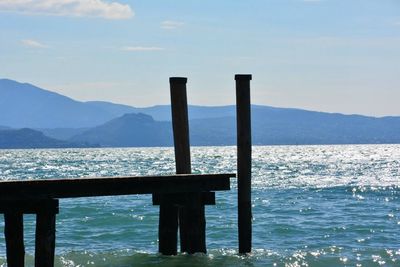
[
  {"x": 170, "y": 25},
  {"x": 33, "y": 44},
  {"x": 141, "y": 48},
  {"x": 75, "y": 8}
]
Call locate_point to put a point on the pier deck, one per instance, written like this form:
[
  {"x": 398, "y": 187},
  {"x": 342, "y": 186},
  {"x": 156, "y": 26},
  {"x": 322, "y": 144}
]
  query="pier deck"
[{"x": 40, "y": 197}]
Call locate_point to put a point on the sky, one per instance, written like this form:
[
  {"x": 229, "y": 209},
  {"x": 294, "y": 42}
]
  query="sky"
[{"x": 324, "y": 55}]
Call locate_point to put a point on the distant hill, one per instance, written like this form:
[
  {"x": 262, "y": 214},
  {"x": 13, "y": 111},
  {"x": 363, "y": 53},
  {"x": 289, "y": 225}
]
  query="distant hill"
[
  {"x": 28, "y": 138},
  {"x": 25, "y": 105},
  {"x": 130, "y": 130}
]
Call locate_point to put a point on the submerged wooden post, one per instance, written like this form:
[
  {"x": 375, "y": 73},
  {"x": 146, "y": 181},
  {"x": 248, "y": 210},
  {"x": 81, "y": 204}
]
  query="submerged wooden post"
[
  {"x": 243, "y": 116},
  {"x": 192, "y": 222},
  {"x": 14, "y": 235},
  {"x": 46, "y": 235},
  {"x": 168, "y": 227}
]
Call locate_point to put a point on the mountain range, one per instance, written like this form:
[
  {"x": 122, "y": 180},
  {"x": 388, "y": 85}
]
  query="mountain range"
[
  {"x": 28, "y": 138},
  {"x": 75, "y": 123}
]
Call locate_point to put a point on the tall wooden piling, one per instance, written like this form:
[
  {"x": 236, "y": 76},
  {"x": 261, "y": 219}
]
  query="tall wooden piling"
[
  {"x": 14, "y": 235},
  {"x": 192, "y": 224},
  {"x": 180, "y": 124},
  {"x": 243, "y": 115}
]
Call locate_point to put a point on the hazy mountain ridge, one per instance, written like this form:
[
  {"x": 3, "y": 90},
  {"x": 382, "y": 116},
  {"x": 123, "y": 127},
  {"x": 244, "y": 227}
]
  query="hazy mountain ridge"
[
  {"x": 120, "y": 125},
  {"x": 25, "y": 105},
  {"x": 268, "y": 129},
  {"x": 28, "y": 138}
]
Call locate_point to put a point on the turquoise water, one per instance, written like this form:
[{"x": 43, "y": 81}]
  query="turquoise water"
[{"x": 312, "y": 206}]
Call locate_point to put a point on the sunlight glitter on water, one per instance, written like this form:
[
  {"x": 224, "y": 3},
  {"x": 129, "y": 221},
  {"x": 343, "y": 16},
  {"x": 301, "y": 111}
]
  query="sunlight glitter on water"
[{"x": 312, "y": 206}]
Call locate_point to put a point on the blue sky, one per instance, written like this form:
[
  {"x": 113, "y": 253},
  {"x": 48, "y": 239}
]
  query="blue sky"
[{"x": 327, "y": 55}]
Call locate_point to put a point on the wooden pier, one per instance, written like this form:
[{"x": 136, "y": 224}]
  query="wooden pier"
[{"x": 181, "y": 197}]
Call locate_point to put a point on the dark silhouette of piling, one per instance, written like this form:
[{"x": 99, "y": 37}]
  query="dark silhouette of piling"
[
  {"x": 168, "y": 223},
  {"x": 168, "y": 227},
  {"x": 180, "y": 124},
  {"x": 45, "y": 241},
  {"x": 14, "y": 235},
  {"x": 191, "y": 215},
  {"x": 243, "y": 115}
]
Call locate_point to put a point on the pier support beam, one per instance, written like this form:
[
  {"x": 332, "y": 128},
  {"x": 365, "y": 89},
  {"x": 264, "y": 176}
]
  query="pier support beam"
[
  {"x": 192, "y": 225},
  {"x": 243, "y": 115},
  {"x": 45, "y": 239},
  {"x": 168, "y": 226},
  {"x": 14, "y": 235},
  {"x": 45, "y": 210}
]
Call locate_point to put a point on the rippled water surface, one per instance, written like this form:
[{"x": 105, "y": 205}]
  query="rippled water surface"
[{"x": 312, "y": 206}]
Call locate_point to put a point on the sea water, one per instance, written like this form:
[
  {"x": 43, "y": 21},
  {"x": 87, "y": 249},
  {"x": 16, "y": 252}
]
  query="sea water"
[{"x": 312, "y": 206}]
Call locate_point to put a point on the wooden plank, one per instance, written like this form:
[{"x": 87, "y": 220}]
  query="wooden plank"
[
  {"x": 14, "y": 235},
  {"x": 106, "y": 186},
  {"x": 45, "y": 239},
  {"x": 191, "y": 215},
  {"x": 243, "y": 116},
  {"x": 29, "y": 206}
]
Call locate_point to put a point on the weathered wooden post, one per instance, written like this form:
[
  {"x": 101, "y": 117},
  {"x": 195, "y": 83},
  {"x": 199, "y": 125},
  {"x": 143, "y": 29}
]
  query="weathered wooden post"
[
  {"x": 46, "y": 234},
  {"x": 14, "y": 235},
  {"x": 243, "y": 116},
  {"x": 192, "y": 222},
  {"x": 168, "y": 226}
]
